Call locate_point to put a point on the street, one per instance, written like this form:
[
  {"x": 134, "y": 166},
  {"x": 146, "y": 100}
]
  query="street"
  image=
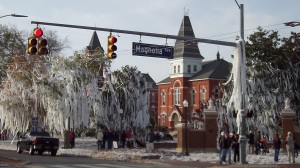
[{"x": 48, "y": 161}]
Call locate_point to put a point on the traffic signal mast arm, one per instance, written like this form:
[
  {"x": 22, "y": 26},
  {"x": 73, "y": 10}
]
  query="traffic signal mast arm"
[{"x": 185, "y": 38}]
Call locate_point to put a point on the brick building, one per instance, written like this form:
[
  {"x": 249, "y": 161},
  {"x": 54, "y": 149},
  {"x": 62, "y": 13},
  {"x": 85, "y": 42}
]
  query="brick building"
[{"x": 190, "y": 79}]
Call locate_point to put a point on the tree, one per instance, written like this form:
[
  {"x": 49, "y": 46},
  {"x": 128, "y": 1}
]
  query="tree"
[
  {"x": 13, "y": 44},
  {"x": 272, "y": 76}
]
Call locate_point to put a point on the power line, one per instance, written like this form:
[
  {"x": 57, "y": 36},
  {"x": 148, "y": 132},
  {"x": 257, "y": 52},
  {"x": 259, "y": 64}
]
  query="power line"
[{"x": 235, "y": 32}]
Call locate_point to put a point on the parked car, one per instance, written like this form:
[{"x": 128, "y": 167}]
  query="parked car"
[
  {"x": 38, "y": 142},
  {"x": 168, "y": 137}
]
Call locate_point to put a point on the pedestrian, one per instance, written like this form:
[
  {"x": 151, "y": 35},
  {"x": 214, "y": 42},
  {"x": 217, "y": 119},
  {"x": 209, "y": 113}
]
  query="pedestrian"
[
  {"x": 123, "y": 139},
  {"x": 220, "y": 141},
  {"x": 226, "y": 147},
  {"x": 110, "y": 138},
  {"x": 4, "y": 134},
  {"x": 257, "y": 142},
  {"x": 289, "y": 143},
  {"x": 104, "y": 139},
  {"x": 151, "y": 136},
  {"x": 99, "y": 139},
  {"x": 276, "y": 145},
  {"x": 251, "y": 142},
  {"x": 236, "y": 148},
  {"x": 296, "y": 148},
  {"x": 72, "y": 139}
]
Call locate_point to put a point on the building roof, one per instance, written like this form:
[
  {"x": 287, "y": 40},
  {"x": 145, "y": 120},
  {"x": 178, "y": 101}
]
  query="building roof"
[
  {"x": 215, "y": 69},
  {"x": 186, "y": 48},
  {"x": 94, "y": 43},
  {"x": 148, "y": 78}
]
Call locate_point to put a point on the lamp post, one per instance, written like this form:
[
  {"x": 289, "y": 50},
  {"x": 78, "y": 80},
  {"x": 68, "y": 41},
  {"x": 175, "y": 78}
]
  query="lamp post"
[
  {"x": 185, "y": 105},
  {"x": 13, "y": 15}
]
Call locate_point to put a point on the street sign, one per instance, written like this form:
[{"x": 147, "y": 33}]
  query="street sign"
[{"x": 152, "y": 50}]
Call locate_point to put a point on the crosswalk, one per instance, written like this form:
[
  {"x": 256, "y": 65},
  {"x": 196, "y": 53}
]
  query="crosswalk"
[{"x": 100, "y": 165}]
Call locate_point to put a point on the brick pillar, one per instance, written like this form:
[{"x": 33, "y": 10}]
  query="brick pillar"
[
  {"x": 211, "y": 129},
  {"x": 287, "y": 118},
  {"x": 181, "y": 137}
]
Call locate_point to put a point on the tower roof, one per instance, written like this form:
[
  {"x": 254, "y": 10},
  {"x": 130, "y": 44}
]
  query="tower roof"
[
  {"x": 186, "y": 48},
  {"x": 94, "y": 43}
]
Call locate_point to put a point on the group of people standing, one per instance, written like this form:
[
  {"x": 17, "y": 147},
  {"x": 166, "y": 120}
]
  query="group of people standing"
[
  {"x": 228, "y": 142},
  {"x": 258, "y": 142},
  {"x": 108, "y": 137}
]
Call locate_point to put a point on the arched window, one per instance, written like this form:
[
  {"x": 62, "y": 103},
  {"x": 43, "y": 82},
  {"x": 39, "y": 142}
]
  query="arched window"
[{"x": 176, "y": 95}]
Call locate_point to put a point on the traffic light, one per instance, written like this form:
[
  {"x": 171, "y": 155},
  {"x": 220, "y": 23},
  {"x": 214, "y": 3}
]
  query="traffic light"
[
  {"x": 36, "y": 43},
  {"x": 42, "y": 43},
  {"x": 31, "y": 47},
  {"x": 111, "y": 47}
]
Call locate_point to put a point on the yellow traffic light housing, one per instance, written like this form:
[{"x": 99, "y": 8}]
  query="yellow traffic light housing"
[
  {"x": 31, "y": 46},
  {"x": 42, "y": 47},
  {"x": 111, "y": 47},
  {"x": 36, "y": 43}
]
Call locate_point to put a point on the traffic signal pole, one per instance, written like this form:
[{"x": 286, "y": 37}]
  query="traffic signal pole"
[{"x": 192, "y": 39}]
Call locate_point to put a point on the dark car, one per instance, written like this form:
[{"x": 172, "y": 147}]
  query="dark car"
[
  {"x": 168, "y": 137},
  {"x": 38, "y": 142}
]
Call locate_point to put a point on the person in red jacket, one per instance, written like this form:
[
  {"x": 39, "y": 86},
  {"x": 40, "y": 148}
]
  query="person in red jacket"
[{"x": 72, "y": 139}]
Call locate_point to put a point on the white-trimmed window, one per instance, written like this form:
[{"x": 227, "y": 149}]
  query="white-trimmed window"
[
  {"x": 163, "y": 120},
  {"x": 152, "y": 97},
  {"x": 189, "y": 68},
  {"x": 193, "y": 96},
  {"x": 203, "y": 94},
  {"x": 175, "y": 69},
  {"x": 195, "y": 68},
  {"x": 216, "y": 93},
  {"x": 178, "y": 67},
  {"x": 163, "y": 98},
  {"x": 176, "y": 95}
]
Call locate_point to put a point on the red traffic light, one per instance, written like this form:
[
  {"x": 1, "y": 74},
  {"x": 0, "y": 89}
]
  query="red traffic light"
[
  {"x": 38, "y": 32},
  {"x": 112, "y": 39}
]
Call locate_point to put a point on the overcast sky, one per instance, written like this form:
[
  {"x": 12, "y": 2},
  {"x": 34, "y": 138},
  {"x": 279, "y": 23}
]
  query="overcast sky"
[{"x": 210, "y": 19}]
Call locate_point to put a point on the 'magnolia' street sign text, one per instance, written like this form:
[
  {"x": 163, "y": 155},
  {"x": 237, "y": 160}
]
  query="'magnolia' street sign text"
[{"x": 152, "y": 50}]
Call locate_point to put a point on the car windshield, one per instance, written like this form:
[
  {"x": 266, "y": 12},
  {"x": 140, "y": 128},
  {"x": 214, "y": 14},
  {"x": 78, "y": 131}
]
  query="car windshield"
[{"x": 39, "y": 134}]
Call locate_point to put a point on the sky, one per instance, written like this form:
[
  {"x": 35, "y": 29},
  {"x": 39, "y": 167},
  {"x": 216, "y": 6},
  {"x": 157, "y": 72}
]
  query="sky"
[
  {"x": 210, "y": 19},
  {"x": 87, "y": 147}
]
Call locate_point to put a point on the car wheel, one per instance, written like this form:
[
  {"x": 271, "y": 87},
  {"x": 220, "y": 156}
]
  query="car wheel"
[
  {"x": 53, "y": 152},
  {"x": 40, "y": 152},
  {"x": 19, "y": 150},
  {"x": 31, "y": 150}
]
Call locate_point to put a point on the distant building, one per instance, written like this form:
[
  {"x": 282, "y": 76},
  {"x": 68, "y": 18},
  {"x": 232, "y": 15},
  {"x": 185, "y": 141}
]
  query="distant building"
[
  {"x": 153, "y": 101},
  {"x": 93, "y": 47},
  {"x": 190, "y": 79}
]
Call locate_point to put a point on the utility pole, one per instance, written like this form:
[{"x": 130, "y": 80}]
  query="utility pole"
[{"x": 241, "y": 64}]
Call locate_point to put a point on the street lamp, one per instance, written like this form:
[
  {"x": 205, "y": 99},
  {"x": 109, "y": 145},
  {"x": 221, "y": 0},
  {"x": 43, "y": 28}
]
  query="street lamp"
[
  {"x": 292, "y": 24},
  {"x": 185, "y": 105},
  {"x": 13, "y": 15}
]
